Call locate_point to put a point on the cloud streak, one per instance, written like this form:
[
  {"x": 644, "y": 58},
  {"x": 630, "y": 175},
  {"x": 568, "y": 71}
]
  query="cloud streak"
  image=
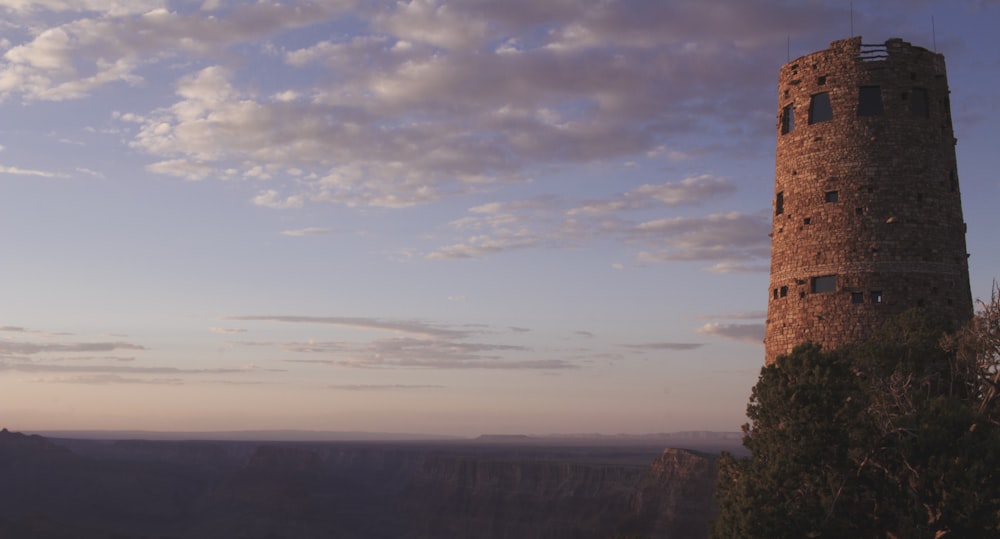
[
  {"x": 749, "y": 333},
  {"x": 412, "y": 327}
]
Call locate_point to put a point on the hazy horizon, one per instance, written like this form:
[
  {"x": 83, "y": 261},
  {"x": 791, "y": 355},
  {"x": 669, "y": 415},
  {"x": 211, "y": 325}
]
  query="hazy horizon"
[{"x": 451, "y": 218}]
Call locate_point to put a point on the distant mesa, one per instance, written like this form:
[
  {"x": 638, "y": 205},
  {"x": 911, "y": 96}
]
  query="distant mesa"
[{"x": 503, "y": 437}]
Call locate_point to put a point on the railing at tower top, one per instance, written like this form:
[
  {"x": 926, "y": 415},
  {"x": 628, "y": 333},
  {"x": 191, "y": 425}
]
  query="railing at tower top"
[{"x": 873, "y": 53}]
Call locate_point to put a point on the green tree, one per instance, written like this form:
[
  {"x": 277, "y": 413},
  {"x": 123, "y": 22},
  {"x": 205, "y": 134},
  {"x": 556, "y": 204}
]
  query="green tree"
[{"x": 890, "y": 438}]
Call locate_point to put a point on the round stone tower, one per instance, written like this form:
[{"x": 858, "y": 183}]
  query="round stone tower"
[{"x": 867, "y": 219}]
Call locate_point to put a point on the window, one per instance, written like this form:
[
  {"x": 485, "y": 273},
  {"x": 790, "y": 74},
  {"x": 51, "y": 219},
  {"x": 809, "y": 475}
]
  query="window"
[
  {"x": 783, "y": 291},
  {"x": 787, "y": 119},
  {"x": 779, "y": 203},
  {"x": 820, "y": 109},
  {"x": 869, "y": 101},
  {"x": 774, "y": 295},
  {"x": 831, "y": 196},
  {"x": 918, "y": 105},
  {"x": 876, "y": 296},
  {"x": 824, "y": 283},
  {"x": 857, "y": 297}
]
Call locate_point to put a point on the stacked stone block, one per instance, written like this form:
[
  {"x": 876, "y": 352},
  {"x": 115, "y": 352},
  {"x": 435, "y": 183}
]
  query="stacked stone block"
[{"x": 867, "y": 216}]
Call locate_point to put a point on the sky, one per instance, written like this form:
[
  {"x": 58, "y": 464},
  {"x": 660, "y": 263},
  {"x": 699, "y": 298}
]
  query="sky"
[{"x": 447, "y": 217}]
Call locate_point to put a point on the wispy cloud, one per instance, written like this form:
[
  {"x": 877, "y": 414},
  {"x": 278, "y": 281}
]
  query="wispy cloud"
[
  {"x": 656, "y": 346},
  {"x": 383, "y": 387},
  {"x": 413, "y": 327},
  {"x": 227, "y": 331},
  {"x": 17, "y": 366},
  {"x": 747, "y": 315},
  {"x": 421, "y": 345},
  {"x": 734, "y": 241},
  {"x": 17, "y": 171},
  {"x": 751, "y": 333},
  {"x": 28, "y": 348},
  {"x": 107, "y": 379},
  {"x": 310, "y": 231},
  {"x": 694, "y": 190}
]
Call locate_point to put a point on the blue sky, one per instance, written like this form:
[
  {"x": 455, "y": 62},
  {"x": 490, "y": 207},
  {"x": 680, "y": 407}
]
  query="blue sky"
[{"x": 416, "y": 216}]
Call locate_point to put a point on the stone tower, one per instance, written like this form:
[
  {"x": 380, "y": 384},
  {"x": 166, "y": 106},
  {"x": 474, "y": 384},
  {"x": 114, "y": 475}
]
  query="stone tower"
[{"x": 867, "y": 219}]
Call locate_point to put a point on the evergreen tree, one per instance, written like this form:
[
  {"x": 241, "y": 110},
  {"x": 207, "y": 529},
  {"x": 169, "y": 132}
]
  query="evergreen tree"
[{"x": 893, "y": 438}]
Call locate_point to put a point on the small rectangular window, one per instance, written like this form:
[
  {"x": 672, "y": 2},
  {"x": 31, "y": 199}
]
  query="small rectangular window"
[
  {"x": 820, "y": 109},
  {"x": 824, "y": 283},
  {"x": 857, "y": 297},
  {"x": 779, "y": 203},
  {"x": 787, "y": 119},
  {"x": 774, "y": 295},
  {"x": 869, "y": 101},
  {"x": 876, "y": 296},
  {"x": 918, "y": 105},
  {"x": 784, "y": 291},
  {"x": 831, "y": 196}
]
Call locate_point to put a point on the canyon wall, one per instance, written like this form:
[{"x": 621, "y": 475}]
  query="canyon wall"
[{"x": 347, "y": 490}]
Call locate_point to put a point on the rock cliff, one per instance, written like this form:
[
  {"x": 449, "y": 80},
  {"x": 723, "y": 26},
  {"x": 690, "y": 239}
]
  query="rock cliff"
[{"x": 348, "y": 490}]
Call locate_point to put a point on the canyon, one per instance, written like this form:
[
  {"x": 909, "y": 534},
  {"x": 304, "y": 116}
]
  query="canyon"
[{"x": 485, "y": 488}]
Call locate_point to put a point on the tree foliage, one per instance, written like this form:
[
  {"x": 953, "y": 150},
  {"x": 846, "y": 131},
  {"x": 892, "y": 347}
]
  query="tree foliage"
[{"x": 897, "y": 437}]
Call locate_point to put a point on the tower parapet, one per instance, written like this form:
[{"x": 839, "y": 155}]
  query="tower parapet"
[{"x": 867, "y": 214}]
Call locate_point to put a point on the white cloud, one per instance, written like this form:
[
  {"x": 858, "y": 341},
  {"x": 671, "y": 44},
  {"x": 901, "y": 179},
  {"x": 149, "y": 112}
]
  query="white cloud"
[
  {"x": 428, "y": 104},
  {"x": 435, "y": 23},
  {"x": 748, "y": 315},
  {"x": 17, "y": 171},
  {"x": 227, "y": 331},
  {"x": 110, "y": 7},
  {"x": 271, "y": 199},
  {"x": 114, "y": 38},
  {"x": 751, "y": 333},
  {"x": 309, "y": 231},
  {"x": 182, "y": 168},
  {"x": 89, "y": 172}
]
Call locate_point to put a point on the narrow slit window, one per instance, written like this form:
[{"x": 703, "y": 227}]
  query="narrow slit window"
[
  {"x": 831, "y": 196},
  {"x": 787, "y": 119},
  {"x": 823, "y": 284},
  {"x": 918, "y": 103},
  {"x": 869, "y": 101},
  {"x": 820, "y": 109},
  {"x": 779, "y": 203}
]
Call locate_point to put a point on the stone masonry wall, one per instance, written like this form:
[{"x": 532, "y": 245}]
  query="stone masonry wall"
[{"x": 867, "y": 211}]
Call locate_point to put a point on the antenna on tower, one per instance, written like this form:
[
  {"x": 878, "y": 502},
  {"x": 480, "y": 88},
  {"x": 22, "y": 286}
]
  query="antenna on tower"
[
  {"x": 852, "y": 18},
  {"x": 933, "y": 33}
]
